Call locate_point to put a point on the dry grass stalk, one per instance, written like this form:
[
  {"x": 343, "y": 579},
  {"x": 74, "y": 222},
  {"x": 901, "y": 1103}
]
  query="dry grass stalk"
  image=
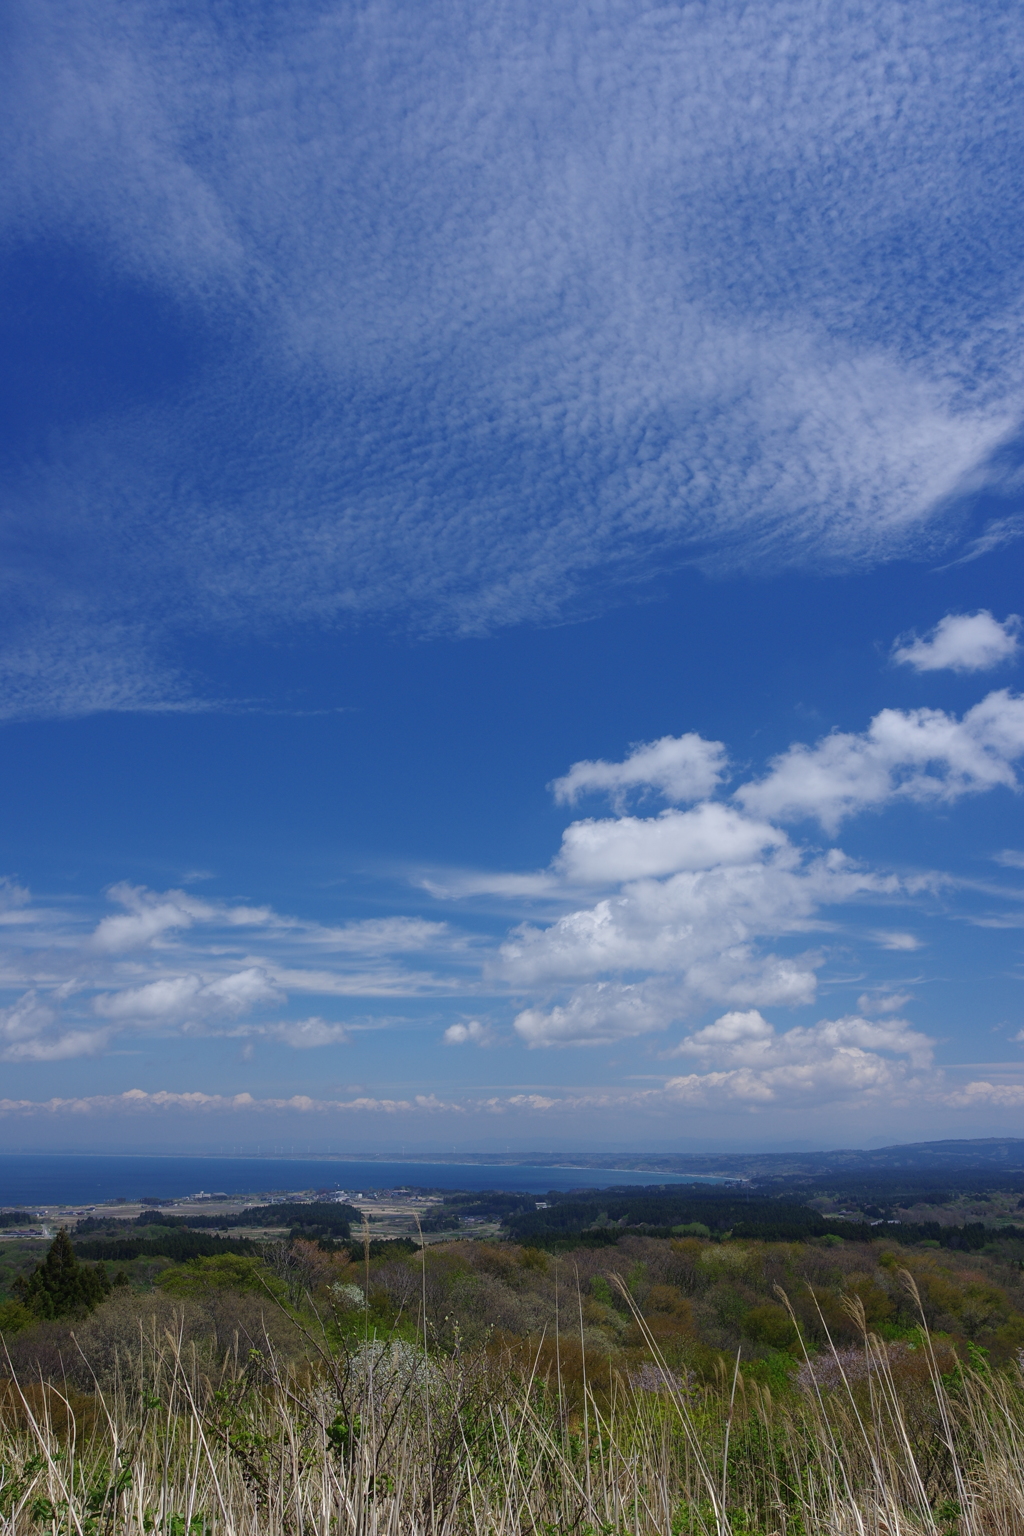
[{"x": 391, "y": 1440}]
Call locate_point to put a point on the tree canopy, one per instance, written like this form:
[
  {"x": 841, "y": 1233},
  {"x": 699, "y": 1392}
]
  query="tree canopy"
[{"x": 60, "y": 1286}]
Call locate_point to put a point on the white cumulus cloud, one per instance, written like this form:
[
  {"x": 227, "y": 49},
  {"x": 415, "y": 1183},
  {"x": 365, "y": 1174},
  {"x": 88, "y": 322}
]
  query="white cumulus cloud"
[
  {"x": 147, "y": 917},
  {"x": 678, "y": 767},
  {"x": 306, "y": 1034},
  {"x": 920, "y": 755},
  {"x": 962, "y": 642},
  {"x": 691, "y": 907},
  {"x": 173, "y": 998},
  {"x": 754, "y": 1064},
  {"x": 600, "y": 1014},
  {"x": 982, "y": 1094},
  {"x": 639, "y": 925},
  {"x": 629, "y": 847},
  {"x": 59, "y": 1047},
  {"x": 472, "y": 1032},
  {"x": 32, "y": 1030},
  {"x": 694, "y": 921}
]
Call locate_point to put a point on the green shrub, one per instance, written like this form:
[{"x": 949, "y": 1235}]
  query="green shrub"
[
  {"x": 769, "y": 1324},
  {"x": 601, "y": 1291},
  {"x": 14, "y": 1317},
  {"x": 225, "y": 1272},
  {"x": 774, "y": 1370}
]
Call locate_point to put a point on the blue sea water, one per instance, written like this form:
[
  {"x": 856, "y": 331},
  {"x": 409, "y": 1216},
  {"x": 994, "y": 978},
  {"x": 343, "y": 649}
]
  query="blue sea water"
[{"x": 34, "y": 1178}]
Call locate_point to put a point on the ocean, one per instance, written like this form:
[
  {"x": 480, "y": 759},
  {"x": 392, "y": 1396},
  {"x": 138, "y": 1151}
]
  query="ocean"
[{"x": 81, "y": 1178}]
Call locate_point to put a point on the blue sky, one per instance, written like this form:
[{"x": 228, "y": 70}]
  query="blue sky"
[{"x": 513, "y": 541}]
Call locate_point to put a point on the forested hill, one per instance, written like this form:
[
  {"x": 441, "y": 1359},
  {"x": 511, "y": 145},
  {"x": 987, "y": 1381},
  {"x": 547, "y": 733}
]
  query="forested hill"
[
  {"x": 316, "y": 1218},
  {"x": 179, "y": 1246},
  {"x": 603, "y": 1219},
  {"x": 325, "y": 1218}
]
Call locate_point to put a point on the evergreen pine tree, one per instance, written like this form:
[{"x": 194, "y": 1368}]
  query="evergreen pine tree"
[{"x": 60, "y": 1285}]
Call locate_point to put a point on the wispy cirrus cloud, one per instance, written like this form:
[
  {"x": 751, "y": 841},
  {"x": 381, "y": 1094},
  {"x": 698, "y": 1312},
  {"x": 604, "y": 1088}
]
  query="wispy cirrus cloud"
[
  {"x": 514, "y": 310},
  {"x": 896, "y": 939},
  {"x": 997, "y": 533},
  {"x": 172, "y": 964}
]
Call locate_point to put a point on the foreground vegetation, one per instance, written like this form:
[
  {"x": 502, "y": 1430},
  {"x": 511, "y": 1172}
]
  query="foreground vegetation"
[{"x": 660, "y": 1385}]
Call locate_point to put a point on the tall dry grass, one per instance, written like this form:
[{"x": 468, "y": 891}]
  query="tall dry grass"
[{"x": 388, "y": 1437}]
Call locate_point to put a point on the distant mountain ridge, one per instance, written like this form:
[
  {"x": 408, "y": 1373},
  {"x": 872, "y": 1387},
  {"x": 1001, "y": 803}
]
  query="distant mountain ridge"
[{"x": 987, "y": 1153}]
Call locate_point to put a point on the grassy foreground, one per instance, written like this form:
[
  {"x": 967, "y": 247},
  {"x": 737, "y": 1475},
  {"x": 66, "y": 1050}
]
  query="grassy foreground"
[{"x": 316, "y": 1419}]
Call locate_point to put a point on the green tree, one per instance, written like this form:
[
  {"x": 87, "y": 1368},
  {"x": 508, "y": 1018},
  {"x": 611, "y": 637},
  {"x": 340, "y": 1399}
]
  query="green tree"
[{"x": 60, "y": 1286}]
